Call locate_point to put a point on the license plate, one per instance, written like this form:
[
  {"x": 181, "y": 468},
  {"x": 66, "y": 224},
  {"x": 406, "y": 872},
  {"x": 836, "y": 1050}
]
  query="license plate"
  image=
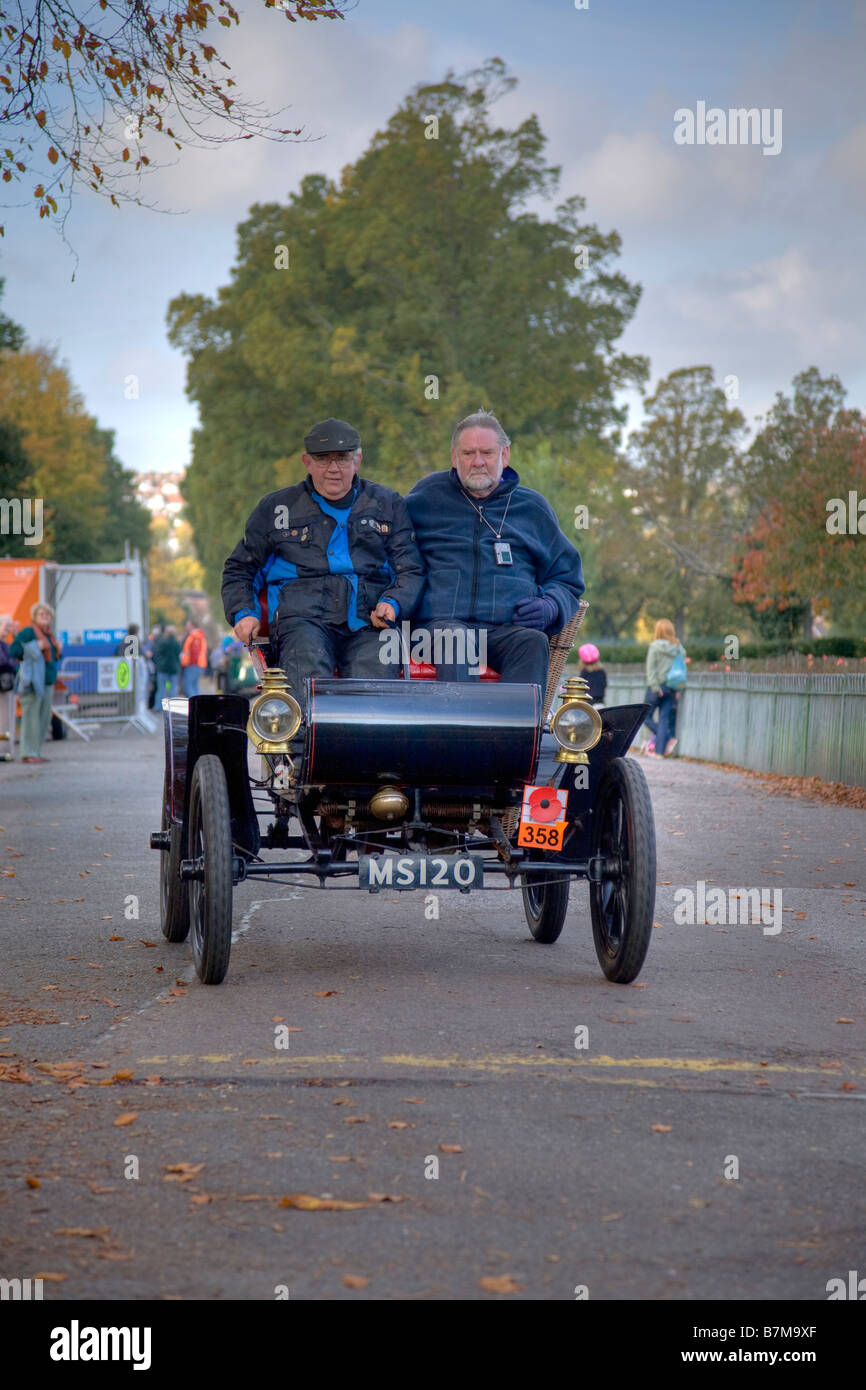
[{"x": 408, "y": 871}]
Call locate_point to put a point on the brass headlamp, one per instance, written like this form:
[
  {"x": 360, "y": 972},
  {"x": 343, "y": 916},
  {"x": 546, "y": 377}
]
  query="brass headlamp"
[
  {"x": 275, "y": 715},
  {"x": 576, "y": 726}
]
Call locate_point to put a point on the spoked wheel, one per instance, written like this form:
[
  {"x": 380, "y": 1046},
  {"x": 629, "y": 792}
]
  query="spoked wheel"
[
  {"x": 173, "y": 895},
  {"x": 545, "y": 904},
  {"x": 210, "y": 898},
  {"x": 622, "y": 904}
]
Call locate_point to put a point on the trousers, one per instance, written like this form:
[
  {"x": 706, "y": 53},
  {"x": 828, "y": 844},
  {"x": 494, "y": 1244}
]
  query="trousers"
[
  {"x": 519, "y": 654},
  {"x": 35, "y": 717},
  {"x": 310, "y": 648}
]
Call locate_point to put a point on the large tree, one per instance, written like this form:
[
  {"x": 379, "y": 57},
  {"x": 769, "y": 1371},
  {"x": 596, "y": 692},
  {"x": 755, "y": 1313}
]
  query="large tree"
[
  {"x": 417, "y": 288},
  {"x": 84, "y": 85},
  {"x": 685, "y": 491},
  {"x": 795, "y": 554},
  {"x": 87, "y": 496}
]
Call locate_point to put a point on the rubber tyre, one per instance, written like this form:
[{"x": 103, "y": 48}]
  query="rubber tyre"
[
  {"x": 622, "y": 910},
  {"x": 210, "y": 900},
  {"x": 545, "y": 906},
  {"x": 173, "y": 895}
]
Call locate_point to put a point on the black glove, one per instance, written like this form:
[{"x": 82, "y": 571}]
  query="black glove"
[{"x": 538, "y": 612}]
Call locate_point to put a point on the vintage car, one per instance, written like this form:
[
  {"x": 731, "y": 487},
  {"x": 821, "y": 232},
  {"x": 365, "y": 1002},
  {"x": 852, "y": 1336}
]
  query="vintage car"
[{"x": 408, "y": 784}]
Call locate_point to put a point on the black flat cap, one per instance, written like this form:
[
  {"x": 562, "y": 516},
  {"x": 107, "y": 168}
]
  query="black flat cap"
[{"x": 330, "y": 436}]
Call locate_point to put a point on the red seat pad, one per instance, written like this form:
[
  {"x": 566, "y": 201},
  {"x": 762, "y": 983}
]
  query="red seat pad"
[{"x": 423, "y": 671}]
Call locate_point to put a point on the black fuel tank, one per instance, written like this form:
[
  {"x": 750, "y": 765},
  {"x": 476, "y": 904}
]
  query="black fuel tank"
[{"x": 439, "y": 733}]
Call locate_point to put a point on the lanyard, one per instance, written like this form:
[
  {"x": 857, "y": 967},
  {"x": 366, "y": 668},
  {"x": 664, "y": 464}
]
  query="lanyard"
[{"x": 497, "y": 534}]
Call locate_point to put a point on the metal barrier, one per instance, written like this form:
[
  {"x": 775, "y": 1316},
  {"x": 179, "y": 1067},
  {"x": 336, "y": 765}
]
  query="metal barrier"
[
  {"x": 105, "y": 690},
  {"x": 797, "y": 725}
]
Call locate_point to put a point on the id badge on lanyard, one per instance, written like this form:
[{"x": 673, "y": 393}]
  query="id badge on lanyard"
[{"x": 502, "y": 551}]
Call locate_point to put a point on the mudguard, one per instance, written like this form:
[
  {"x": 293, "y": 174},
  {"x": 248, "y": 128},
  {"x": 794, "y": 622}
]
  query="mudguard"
[
  {"x": 620, "y": 723},
  {"x": 210, "y": 724}
]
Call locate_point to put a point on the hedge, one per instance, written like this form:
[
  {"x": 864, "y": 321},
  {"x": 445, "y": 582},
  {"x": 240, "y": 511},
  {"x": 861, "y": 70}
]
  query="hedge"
[{"x": 702, "y": 649}]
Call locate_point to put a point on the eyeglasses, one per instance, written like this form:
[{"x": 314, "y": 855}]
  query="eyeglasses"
[{"x": 342, "y": 460}]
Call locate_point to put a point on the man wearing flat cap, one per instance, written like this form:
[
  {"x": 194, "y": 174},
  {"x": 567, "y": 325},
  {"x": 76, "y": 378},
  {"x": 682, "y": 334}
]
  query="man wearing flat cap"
[{"x": 338, "y": 557}]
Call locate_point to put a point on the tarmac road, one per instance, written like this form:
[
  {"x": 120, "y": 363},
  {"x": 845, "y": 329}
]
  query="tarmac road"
[{"x": 422, "y": 1045}]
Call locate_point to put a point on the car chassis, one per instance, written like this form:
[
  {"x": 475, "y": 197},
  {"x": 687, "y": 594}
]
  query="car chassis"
[{"x": 433, "y": 785}]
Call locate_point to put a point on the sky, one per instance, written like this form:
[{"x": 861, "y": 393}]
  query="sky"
[{"x": 750, "y": 262}]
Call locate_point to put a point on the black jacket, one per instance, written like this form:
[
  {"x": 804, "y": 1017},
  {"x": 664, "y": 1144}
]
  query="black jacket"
[
  {"x": 464, "y": 580},
  {"x": 289, "y": 541}
]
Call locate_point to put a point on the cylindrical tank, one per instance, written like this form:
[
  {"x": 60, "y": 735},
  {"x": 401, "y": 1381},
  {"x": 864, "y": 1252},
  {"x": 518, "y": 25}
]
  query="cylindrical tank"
[{"x": 427, "y": 733}]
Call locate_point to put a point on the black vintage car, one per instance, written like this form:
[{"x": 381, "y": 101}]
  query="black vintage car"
[{"x": 408, "y": 784}]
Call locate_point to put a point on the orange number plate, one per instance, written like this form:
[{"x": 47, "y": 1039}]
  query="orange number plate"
[{"x": 542, "y": 836}]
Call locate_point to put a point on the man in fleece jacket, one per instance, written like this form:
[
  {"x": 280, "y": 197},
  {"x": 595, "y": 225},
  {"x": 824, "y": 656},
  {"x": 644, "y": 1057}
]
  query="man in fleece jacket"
[{"x": 498, "y": 562}]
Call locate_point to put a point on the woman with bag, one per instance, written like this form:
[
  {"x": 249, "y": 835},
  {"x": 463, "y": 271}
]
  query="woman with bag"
[
  {"x": 665, "y": 675},
  {"x": 38, "y": 651}
]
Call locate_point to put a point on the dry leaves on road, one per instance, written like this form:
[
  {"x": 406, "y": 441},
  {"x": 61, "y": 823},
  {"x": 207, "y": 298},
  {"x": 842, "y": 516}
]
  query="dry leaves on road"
[
  {"x": 324, "y": 993},
  {"x": 400, "y": 1124},
  {"x": 844, "y": 1020},
  {"x": 661, "y": 1129},
  {"x": 450, "y": 1149},
  {"x": 355, "y": 1281},
  {"x": 85, "y": 1232},
  {"x": 303, "y": 1201},
  {"x": 500, "y": 1283},
  {"x": 126, "y": 1119},
  {"x": 181, "y": 1172},
  {"x": 32, "y": 1182}
]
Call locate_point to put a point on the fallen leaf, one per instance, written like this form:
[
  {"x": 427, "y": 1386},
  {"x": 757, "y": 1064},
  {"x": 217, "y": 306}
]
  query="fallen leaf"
[
  {"x": 414, "y": 1100},
  {"x": 384, "y": 1197},
  {"x": 32, "y": 1182},
  {"x": 200, "y": 1199},
  {"x": 126, "y": 1119},
  {"x": 398, "y": 1124},
  {"x": 356, "y": 1119},
  {"x": 450, "y": 1149},
  {"x": 124, "y": 1075},
  {"x": 99, "y": 1190},
  {"x": 355, "y": 1281},
  {"x": 613, "y": 1216},
  {"x": 661, "y": 1129},
  {"x": 303, "y": 1201},
  {"x": 181, "y": 1172},
  {"x": 117, "y": 938},
  {"x": 844, "y": 1020},
  {"x": 91, "y": 1233},
  {"x": 323, "y": 993},
  {"x": 846, "y": 1086},
  {"x": 50, "y": 1277},
  {"x": 500, "y": 1283}
]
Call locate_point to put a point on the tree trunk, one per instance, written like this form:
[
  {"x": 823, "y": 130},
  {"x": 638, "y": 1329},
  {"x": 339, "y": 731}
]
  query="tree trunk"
[{"x": 807, "y": 620}]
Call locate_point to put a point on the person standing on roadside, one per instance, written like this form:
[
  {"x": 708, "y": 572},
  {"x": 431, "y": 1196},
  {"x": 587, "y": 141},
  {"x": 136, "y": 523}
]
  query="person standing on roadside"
[
  {"x": 663, "y": 651},
  {"x": 38, "y": 651},
  {"x": 8, "y": 667},
  {"x": 193, "y": 658},
  {"x": 166, "y": 659}
]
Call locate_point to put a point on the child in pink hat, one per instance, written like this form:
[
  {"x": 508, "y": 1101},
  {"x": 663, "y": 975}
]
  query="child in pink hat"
[{"x": 593, "y": 672}]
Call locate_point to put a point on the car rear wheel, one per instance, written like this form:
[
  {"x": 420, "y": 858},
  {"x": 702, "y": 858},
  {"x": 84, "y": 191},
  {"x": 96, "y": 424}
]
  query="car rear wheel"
[
  {"x": 210, "y": 896},
  {"x": 173, "y": 895},
  {"x": 622, "y": 904},
  {"x": 545, "y": 904}
]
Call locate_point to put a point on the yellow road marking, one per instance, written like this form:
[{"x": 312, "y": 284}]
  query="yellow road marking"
[{"x": 509, "y": 1061}]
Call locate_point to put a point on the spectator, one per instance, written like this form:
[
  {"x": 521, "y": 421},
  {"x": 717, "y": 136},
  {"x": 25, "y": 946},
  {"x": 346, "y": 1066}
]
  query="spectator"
[
  {"x": 38, "y": 651},
  {"x": 593, "y": 672},
  {"x": 193, "y": 658},
  {"x": 8, "y": 667},
  {"x": 661, "y": 654},
  {"x": 147, "y": 650},
  {"x": 166, "y": 659}
]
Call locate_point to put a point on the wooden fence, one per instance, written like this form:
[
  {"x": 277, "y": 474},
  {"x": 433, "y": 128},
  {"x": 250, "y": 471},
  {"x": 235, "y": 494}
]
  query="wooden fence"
[{"x": 797, "y": 725}]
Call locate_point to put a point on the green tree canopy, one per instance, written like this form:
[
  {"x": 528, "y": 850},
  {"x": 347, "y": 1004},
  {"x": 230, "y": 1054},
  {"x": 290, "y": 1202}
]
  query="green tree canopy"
[
  {"x": 686, "y": 491},
  {"x": 416, "y": 289}
]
